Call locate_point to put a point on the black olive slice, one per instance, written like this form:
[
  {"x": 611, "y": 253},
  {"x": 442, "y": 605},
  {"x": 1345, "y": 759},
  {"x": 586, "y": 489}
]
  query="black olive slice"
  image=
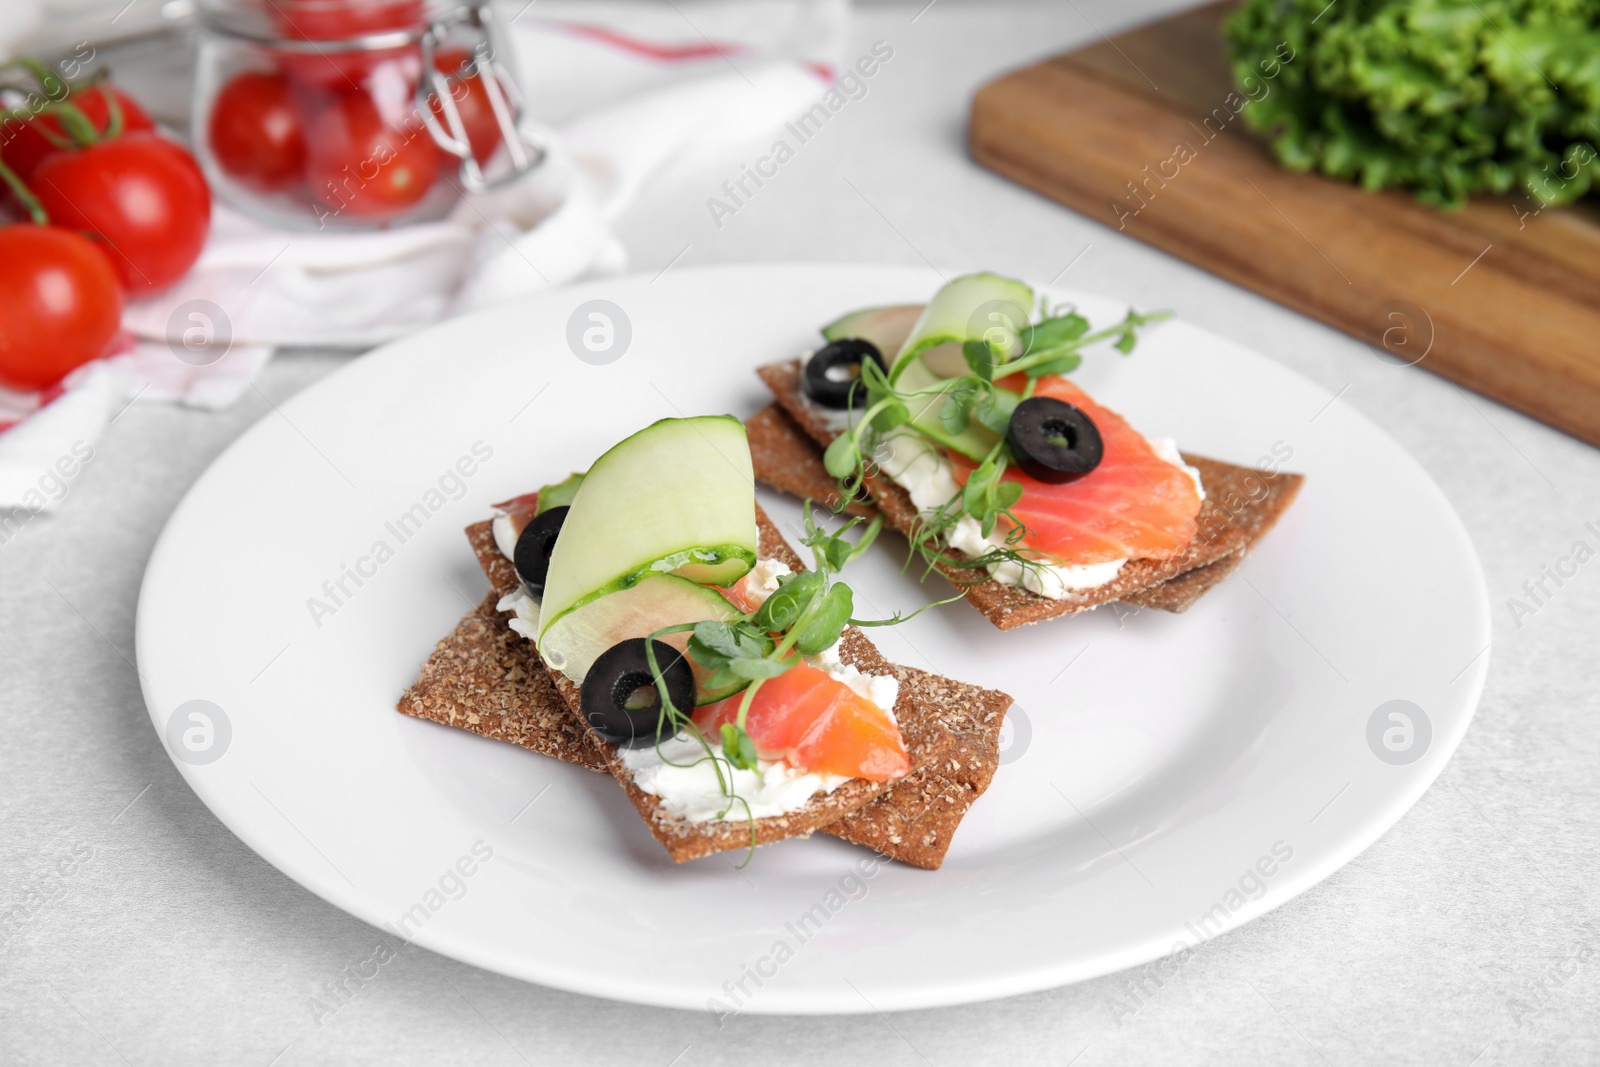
[
  {"x": 831, "y": 373},
  {"x": 531, "y": 557},
  {"x": 1052, "y": 441},
  {"x": 620, "y": 698}
]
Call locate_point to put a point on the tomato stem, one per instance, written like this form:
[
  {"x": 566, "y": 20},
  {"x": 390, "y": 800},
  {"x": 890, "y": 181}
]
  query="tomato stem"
[
  {"x": 24, "y": 195},
  {"x": 27, "y": 115},
  {"x": 75, "y": 122},
  {"x": 114, "y": 119},
  {"x": 50, "y": 83}
]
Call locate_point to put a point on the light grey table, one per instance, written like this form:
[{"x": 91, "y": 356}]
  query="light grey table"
[{"x": 1466, "y": 935}]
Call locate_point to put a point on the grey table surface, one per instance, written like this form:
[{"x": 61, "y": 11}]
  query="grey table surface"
[{"x": 1465, "y": 935}]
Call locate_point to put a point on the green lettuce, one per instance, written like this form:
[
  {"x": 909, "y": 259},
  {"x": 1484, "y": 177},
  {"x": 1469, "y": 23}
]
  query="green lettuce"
[{"x": 1446, "y": 98}]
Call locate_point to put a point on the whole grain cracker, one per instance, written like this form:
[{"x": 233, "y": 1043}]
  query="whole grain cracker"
[
  {"x": 916, "y": 820},
  {"x": 480, "y": 678},
  {"x": 1179, "y": 593},
  {"x": 1225, "y": 528},
  {"x": 787, "y": 460},
  {"x": 938, "y": 718}
]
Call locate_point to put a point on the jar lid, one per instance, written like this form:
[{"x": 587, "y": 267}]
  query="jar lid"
[{"x": 362, "y": 23}]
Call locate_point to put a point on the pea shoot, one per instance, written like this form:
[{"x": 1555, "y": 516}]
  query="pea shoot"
[
  {"x": 1020, "y": 356},
  {"x": 807, "y": 614}
]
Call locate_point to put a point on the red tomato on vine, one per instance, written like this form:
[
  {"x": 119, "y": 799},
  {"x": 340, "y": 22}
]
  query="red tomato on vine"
[
  {"x": 24, "y": 144},
  {"x": 141, "y": 196},
  {"x": 60, "y": 304}
]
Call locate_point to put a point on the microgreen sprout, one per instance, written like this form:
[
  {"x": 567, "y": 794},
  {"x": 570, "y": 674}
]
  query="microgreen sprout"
[
  {"x": 804, "y": 616},
  {"x": 1004, "y": 369}
]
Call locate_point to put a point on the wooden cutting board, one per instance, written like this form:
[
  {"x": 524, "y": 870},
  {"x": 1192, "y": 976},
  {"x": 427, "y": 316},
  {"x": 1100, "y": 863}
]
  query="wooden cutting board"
[{"x": 1142, "y": 132}]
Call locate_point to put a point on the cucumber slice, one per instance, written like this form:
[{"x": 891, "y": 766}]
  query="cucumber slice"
[
  {"x": 578, "y": 638},
  {"x": 959, "y": 312},
  {"x": 976, "y": 440},
  {"x": 885, "y": 327},
  {"x": 676, "y": 497}
]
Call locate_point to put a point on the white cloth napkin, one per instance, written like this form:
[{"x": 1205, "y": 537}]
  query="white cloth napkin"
[{"x": 624, "y": 85}]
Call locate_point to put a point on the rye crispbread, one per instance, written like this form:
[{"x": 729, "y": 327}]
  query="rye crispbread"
[
  {"x": 1241, "y": 505},
  {"x": 788, "y": 460},
  {"x": 915, "y": 821},
  {"x": 1179, "y": 593},
  {"x": 481, "y": 679},
  {"x": 952, "y": 730},
  {"x": 916, "y": 818}
]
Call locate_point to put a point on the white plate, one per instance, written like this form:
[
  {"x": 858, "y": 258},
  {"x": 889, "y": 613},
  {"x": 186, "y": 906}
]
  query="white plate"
[{"x": 1167, "y": 776}]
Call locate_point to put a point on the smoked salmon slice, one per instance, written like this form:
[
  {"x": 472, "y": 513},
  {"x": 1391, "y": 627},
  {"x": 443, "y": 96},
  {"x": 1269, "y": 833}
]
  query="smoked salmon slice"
[
  {"x": 816, "y": 723},
  {"x": 519, "y": 511},
  {"x": 743, "y": 594},
  {"x": 1134, "y": 505}
]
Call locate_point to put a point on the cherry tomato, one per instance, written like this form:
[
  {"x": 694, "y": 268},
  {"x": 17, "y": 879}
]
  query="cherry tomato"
[
  {"x": 472, "y": 102},
  {"x": 343, "y": 20},
  {"x": 23, "y": 145},
  {"x": 141, "y": 195},
  {"x": 360, "y": 165},
  {"x": 59, "y": 304},
  {"x": 254, "y": 133}
]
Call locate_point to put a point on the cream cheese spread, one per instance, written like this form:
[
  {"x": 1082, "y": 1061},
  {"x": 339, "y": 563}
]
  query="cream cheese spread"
[
  {"x": 921, "y": 469},
  {"x": 679, "y": 770}
]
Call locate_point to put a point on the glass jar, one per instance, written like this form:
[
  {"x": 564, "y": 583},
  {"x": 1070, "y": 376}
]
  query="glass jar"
[{"x": 319, "y": 114}]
